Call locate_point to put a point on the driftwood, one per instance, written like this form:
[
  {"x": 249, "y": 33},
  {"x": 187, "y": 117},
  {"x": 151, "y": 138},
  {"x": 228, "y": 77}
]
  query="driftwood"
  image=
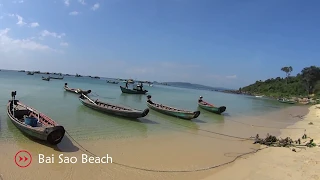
[{"x": 287, "y": 142}]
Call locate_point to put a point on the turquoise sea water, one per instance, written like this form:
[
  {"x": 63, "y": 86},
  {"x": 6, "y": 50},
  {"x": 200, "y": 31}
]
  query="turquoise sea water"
[{"x": 84, "y": 123}]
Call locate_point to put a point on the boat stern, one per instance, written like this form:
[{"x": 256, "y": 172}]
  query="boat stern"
[
  {"x": 145, "y": 112},
  {"x": 196, "y": 114},
  {"x": 55, "y": 134},
  {"x": 222, "y": 109}
]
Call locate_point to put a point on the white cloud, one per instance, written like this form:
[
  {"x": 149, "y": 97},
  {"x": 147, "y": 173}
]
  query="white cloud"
[
  {"x": 95, "y": 6},
  {"x": 64, "y": 44},
  {"x": 20, "y": 20},
  {"x": 52, "y": 34},
  {"x": 11, "y": 15},
  {"x": 67, "y": 2},
  {"x": 21, "y": 1},
  {"x": 73, "y": 13},
  {"x": 232, "y": 77},
  {"x": 82, "y": 2},
  {"x": 8, "y": 44},
  {"x": 34, "y": 24}
]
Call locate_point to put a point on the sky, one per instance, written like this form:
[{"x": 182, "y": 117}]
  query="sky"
[{"x": 221, "y": 43}]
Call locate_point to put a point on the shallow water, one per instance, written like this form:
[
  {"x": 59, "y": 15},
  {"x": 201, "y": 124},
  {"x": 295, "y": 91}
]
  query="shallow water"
[{"x": 156, "y": 141}]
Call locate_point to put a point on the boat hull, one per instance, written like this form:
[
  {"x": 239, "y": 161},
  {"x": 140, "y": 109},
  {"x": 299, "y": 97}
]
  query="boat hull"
[
  {"x": 77, "y": 92},
  {"x": 53, "y": 135},
  {"x": 134, "y": 114},
  {"x": 131, "y": 91},
  {"x": 183, "y": 115},
  {"x": 287, "y": 102},
  {"x": 217, "y": 110}
]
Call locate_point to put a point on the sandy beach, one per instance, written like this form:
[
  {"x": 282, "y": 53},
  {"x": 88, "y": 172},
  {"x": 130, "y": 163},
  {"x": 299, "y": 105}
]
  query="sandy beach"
[
  {"x": 183, "y": 149},
  {"x": 281, "y": 163}
]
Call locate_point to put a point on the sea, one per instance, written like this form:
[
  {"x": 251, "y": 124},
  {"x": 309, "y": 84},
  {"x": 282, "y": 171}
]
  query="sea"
[
  {"x": 155, "y": 147},
  {"x": 50, "y": 98}
]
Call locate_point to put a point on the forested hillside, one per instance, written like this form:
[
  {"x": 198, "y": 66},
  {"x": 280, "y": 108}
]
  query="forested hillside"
[{"x": 303, "y": 84}]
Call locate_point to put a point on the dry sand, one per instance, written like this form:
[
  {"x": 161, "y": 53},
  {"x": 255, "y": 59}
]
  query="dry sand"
[
  {"x": 180, "y": 150},
  {"x": 281, "y": 163}
]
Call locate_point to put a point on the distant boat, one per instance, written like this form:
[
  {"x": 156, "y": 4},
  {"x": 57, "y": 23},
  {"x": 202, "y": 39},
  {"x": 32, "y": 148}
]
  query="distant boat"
[
  {"x": 286, "y": 101},
  {"x": 132, "y": 91},
  {"x": 33, "y": 123},
  {"x": 112, "y": 82},
  {"x": 77, "y": 75},
  {"x": 113, "y": 109},
  {"x": 56, "y": 77},
  {"x": 30, "y": 73},
  {"x": 259, "y": 96},
  {"x": 22, "y": 71},
  {"x": 46, "y": 79}
]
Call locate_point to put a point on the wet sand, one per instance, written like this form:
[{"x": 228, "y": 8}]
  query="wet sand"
[
  {"x": 184, "y": 149},
  {"x": 281, "y": 163}
]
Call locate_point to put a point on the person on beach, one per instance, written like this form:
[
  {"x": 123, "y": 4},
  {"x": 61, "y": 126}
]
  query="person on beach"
[
  {"x": 140, "y": 86},
  {"x": 149, "y": 99}
]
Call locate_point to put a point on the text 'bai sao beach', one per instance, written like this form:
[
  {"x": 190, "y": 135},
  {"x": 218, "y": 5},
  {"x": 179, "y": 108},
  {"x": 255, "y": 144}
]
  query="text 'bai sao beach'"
[{"x": 85, "y": 159}]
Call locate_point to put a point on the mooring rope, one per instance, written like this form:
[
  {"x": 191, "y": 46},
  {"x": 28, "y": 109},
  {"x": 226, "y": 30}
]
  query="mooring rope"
[
  {"x": 168, "y": 171},
  {"x": 260, "y": 126}
]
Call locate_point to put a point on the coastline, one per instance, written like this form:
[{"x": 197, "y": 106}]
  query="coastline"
[{"x": 281, "y": 163}]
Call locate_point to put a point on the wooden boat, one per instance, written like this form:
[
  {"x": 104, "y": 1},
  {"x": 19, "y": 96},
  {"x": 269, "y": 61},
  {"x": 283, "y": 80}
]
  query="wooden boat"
[
  {"x": 210, "y": 107},
  {"x": 30, "y": 73},
  {"x": 77, "y": 91},
  {"x": 56, "y": 77},
  {"x": 46, "y": 79},
  {"x": 33, "y": 123},
  {"x": 183, "y": 114},
  {"x": 286, "y": 101},
  {"x": 113, "y": 109},
  {"x": 112, "y": 82},
  {"x": 132, "y": 91}
]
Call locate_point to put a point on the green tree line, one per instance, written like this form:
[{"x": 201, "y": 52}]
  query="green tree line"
[{"x": 305, "y": 83}]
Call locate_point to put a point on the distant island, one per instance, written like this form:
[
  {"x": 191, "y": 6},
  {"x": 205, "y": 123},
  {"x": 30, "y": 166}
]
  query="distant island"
[{"x": 192, "y": 86}]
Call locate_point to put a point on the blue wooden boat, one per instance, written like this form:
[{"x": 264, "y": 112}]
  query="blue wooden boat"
[{"x": 34, "y": 123}]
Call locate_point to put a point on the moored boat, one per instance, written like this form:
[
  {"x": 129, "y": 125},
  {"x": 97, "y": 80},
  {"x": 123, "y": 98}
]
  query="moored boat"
[
  {"x": 46, "y": 79},
  {"x": 34, "y": 123},
  {"x": 132, "y": 91},
  {"x": 171, "y": 111},
  {"x": 30, "y": 73},
  {"x": 76, "y": 91},
  {"x": 113, "y": 109},
  {"x": 212, "y": 108},
  {"x": 286, "y": 101},
  {"x": 56, "y": 77}
]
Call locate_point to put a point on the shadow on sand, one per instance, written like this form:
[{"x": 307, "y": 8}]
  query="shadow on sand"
[
  {"x": 66, "y": 145},
  {"x": 198, "y": 121}
]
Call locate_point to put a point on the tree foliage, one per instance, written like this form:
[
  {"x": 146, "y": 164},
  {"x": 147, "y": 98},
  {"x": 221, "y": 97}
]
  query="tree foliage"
[
  {"x": 288, "y": 71},
  {"x": 304, "y": 83}
]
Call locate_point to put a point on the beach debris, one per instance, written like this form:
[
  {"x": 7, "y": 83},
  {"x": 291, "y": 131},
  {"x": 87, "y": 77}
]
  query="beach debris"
[
  {"x": 310, "y": 123},
  {"x": 287, "y": 142}
]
